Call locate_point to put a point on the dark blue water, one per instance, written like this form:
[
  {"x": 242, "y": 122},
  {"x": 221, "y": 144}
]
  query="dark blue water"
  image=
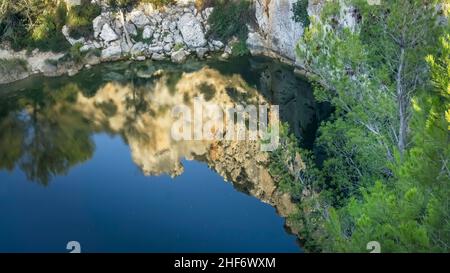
[
  {"x": 107, "y": 205},
  {"x": 76, "y": 161}
]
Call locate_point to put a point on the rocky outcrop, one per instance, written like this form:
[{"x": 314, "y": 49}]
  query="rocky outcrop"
[
  {"x": 170, "y": 33},
  {"x": 30, "y": 63},
  {"x": 277, "y": 33}
]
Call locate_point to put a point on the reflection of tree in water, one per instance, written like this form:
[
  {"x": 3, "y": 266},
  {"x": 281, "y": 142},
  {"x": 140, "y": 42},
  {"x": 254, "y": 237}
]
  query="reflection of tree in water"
[
  {"x": 48, "y": 138},
  {"x": 12, "y": 131}
]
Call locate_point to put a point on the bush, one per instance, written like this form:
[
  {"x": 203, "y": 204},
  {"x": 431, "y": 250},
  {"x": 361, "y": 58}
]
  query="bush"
[
  {"x": 229, "y": 19},
  {"x": 80, "y": 18},
  {"x": 39, "y": 27},
  {"x": 12, "y": 64},
  {"x": 75, "y": 54},
  {"x": 160, "y": 3},
  {"x": 203, "y": 4},
  {"x": 178, "y": 46},
  {"x": 125, "y": 4},
  {"x": 300, "y": 10},
  {"x": 47, "y": 34},
  {"x": 115, "y": 4},
  {"x": 240, "y": 48}
]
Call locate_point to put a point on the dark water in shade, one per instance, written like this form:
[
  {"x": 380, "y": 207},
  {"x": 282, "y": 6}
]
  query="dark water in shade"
[{"x": 78, "y": 162}]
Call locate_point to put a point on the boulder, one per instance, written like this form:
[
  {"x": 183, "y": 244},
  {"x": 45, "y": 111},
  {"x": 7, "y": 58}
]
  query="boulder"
[
  {"x": 91, "y": 59},
  {"x": 178, "y": 39},
  {"x": 157, "y": 18},
  {"x": 72, "y": 41},
  {"x": 168, "y": 47},
  {"x": 201, "y": 52},
  {"x": 108, "y": 34},
  {"x": 158, "y": 57},
  {"x": 140, "y": 58},
  {"x": 217, "y": 44},
  {"x": 191, "y": 30},
  {"x": 86, "y": 47},
  {"x": 98, "y": 23},
  {"x": 138, "y": 49},
  {"x": 148, "y": 32},
  {"x": 179, "y": 56},
  {"x": 155, "y": 49},
  {"x": 113, "y": 52},
  {"x": 228, "y": 49},
  {"x": 138, "y": 18},
  {"x": 168, "y": 38},
  {"x": 131, "y": 28}
]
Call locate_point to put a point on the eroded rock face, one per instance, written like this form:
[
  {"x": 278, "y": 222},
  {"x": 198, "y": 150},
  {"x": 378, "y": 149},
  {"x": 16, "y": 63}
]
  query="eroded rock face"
[
  {"x": 192, "y": 31},
  {"x": 277, "y": 32}
]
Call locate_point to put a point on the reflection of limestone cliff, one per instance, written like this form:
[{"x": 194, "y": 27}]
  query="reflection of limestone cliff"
[
  {"x": 148, "y": 131},
  {"x": 49, "y": 128}
]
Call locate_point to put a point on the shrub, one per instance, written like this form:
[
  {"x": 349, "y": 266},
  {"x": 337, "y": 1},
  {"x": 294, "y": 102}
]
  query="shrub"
[
  {"x": 229, "y": 19},
  {"x": 39, "y": 26},
  {"x": 47, "y": 34},
  {"x": 160, "y": 3},
  {"x": 178, "y": 46},
  {"x": 115, "y": 4},
  {"x": 300, "y": 10},
  {"x": 125, "y": 4},
  {"x": 75, "y": 54},
  {"x": 12, "y": 64},
  {"x": 79, "y": 19},
  {"x": 203, "y": 4},
  {"x": 240, "y": 48}
]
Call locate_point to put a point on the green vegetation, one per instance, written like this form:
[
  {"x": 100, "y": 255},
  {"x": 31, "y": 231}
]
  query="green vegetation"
[
  {"x": 386, "y": 173},
  {"x": 240, "y": 48},
  {"x": 33, "y": 24},
  {"x": 300, "y": 10},
  {"x": 79, "y": 19},
  {"x": 178, "y": 46},
  {"x": 229, "y": 20},
  {"x": 75, "y": 54},
  {"x": 11, "y": 64},
  {"x": 124, "y": 4}
]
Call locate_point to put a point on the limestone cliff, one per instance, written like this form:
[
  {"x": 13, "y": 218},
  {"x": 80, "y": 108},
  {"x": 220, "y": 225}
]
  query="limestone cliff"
[{"x": 276, "y": 33}]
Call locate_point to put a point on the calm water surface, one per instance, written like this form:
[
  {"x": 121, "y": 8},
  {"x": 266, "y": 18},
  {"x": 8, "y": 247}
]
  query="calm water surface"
[{"x": 90, "y": 159}]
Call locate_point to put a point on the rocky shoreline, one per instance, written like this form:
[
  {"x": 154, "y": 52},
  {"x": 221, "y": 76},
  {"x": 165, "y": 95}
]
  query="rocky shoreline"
[{"x": 172, "y": 33}]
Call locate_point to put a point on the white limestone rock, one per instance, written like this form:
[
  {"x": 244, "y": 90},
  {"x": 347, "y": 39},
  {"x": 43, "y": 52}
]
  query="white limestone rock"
[
  {"x": 192, "y": 31},
  {"x": 108, "y": 34}
]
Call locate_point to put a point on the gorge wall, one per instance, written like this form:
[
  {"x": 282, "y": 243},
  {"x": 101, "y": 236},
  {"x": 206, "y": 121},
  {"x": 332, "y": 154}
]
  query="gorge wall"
[{"x": 276, "y": 33}]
